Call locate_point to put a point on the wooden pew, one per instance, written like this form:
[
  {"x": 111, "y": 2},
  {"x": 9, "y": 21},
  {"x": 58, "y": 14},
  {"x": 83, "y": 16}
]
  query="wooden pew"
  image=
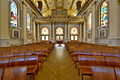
[
  {"x": 98, "y": 61},
  {"x": 117, "y": 72},
  {"x": 15, "y": 73},
  {"x": 17, "y": 61},
  {"x": 7, "y": 54},
  {"x": 113, "y": 61},
  {"x": 103, "y": 73},
  {"x": 85, "y": 72},
  {"x": 25, "y": 55},
  {"x": 1, "y": 73},
  {"x": 84, "y": 60},
  {"x": 32, "y": 64},
  {"x": 4, "y": 62}
]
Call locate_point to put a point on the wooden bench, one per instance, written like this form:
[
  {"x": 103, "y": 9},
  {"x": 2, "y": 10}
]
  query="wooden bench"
[
  {"x": 4, "y": 62},
  {"x": 1, "y": 74},
  {"x": 103, "y": 73},
  {"x": 15, "y": 73},
  {"x": 117, "y": 72}
]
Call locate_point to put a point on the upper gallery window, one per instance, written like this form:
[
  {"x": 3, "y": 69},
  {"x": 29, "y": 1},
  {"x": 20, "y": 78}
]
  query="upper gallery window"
[
  {"x": 104, "y": 13},
  {"x": 28, "y": 21},
  {"x": 14, "y": 14}
]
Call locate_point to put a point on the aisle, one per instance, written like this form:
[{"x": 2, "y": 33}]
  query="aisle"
[{"x": 59, "y": 66}]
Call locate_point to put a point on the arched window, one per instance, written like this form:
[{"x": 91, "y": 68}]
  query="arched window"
[
  {"x": 89, "y": 25},
  {"x": 45, "y": 34},
  {"x": 89, "y": 22},
  {"x": 59, "y": 33},
  {"x": 104, "y": 13},
  {"x": 28, "y": 22},
  {"x": 74, "y": 33},
  {"x": 14, "y": 14}
]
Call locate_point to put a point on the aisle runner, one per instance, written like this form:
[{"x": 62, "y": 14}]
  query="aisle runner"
[{"x": 59, "y": 66}]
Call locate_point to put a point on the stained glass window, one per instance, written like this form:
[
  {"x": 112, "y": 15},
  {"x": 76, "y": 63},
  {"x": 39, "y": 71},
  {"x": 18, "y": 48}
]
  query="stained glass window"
[
  {"x": 104, "y": 13},
  {"x": 28, "y": 21},
  {"x": 14, "y": 14}
]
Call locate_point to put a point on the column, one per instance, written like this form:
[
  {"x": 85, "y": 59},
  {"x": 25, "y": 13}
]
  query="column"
[
  {"x": 4, "y": 23},
  {"x": 84, "y": 32},
  {"x": 34, "y": 32},
  {"x": 38, "y": 33},
  {"x": 80, "y": 32},
  {"x": 24, "y": 33},
  {"x": 94, "y": 27},
  {"x": 53, "y": 31},
  {"x": 114, "y": 23},
  {"x": 66, "y": 32}
]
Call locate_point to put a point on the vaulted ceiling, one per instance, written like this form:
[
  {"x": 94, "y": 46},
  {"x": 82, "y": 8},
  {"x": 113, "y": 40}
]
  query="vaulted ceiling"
[
  {"x": 49, "y": 6},
  {"x": 54, "y": 4}
]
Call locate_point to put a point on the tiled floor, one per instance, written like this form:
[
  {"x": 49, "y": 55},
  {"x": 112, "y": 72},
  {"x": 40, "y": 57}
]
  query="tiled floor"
[{"x": 59, "y": 66}]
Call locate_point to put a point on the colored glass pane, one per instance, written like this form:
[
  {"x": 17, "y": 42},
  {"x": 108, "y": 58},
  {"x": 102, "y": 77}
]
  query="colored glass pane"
[
  {"x": 104, "y": 13},
  {"x": 14, "y": 14},
  {"x": 28, "y": 22}
]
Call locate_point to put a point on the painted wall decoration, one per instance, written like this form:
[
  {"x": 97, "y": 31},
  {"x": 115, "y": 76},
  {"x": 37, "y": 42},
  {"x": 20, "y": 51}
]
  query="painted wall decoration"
[
  {"x": 104, "y": 13},
  {"x": 14, "y": 14},
  {"x": 28, "y": 22}
]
